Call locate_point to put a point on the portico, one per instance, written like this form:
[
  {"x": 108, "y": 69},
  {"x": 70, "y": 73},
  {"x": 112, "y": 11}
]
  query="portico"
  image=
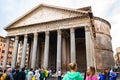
[{"x": 54, "y": 42}]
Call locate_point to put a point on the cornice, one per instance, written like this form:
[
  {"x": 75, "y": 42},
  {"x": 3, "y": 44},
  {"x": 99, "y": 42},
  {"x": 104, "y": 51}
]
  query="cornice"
[{"x": 103, "y": 20}]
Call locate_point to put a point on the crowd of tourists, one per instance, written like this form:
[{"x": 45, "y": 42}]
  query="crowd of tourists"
[
  {"x": 25, "y": 74},
  {"x": 41, "y": 74}
]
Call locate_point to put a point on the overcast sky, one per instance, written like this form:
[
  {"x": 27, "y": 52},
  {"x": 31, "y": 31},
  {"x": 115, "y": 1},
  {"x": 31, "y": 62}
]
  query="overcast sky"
[{"x": 107, "y": 9}]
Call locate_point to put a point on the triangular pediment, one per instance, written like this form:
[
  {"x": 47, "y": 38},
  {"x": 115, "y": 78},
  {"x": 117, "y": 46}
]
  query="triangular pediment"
[{"x": 45, "y": 13}]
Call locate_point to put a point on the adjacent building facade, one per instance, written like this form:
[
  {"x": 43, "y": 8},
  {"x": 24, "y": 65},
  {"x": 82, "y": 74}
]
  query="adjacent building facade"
[
  {"x": 2, "y": 51},
  {"x": 19, "y": 55},
  {"x": 57, "y": 36},
  {"x": 117, "y": 56}
]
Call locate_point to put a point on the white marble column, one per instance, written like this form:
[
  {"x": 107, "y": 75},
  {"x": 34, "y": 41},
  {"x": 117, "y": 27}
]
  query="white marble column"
[
  {"x": 6, "y": 52},
  {"x": 34, "y": 50},
  {"x": 72, "y": 45},
  {"x": 89, "y": 47},
  {"x": 46, "y": 50},
  {"x": 14, "y": 59},
  {"x": 24, "y": 49},
  {"x": 59, "y": 50}
]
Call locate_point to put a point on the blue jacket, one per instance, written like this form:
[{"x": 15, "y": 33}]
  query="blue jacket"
[
  {"x": 113, "y": 76},
  {"x": 102, "y": 77}
]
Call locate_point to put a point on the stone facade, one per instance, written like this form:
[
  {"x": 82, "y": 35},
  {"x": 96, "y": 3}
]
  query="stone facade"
[
  {"x": 58, "y": 36},
  {"x": 117, "y": 56},
  {"x": 2, "y": 51},
  {"x": 103, "y": 45}
]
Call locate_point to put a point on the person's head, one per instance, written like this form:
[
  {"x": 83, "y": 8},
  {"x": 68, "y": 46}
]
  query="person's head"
[
  {"x": 5, "y": 71},
  {"x": 31, "y": 69},
  {"x": 9, "y": 70},
  {"x": 59, "y": 69},
  {"x": 107, "y": 70},
  {"x": 37, "y": 71},
  {"x": 17, "y": 71},
  {"x": 90, "y": 71},
  {"x": 1, "y": 70},
  {"x": 23, "y": 69},
  {"x": 73, "y": 66},
  {"x": 102, "y": 71}
]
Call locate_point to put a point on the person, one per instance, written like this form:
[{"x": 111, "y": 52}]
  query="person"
[
  {"x": 37, "y": 75},
  {"x": 91, "y": 74},
  {"x": 30, "y": 74},
  {"x": 13, "y": 72},
  {"x": 1, "y": 72},
  {"x": 3, "y": 77},
  {"x": 26, "y": 72},
  {"x": 46, "y": 74},
  {"x": 15, "y": 76},
  {"x": 42, "y": 75},
  {"x": 9, "y": 74},
  {"x": 73, "y": 74},
  {"x": 113, "y": 75},
  {"x": 59, "y": 74},
  {"x": 107, "y": 73},
  {"x": 102, "y": 75},
  {"x": 21, "y": 74},
  {"x": 85, "y": 75},
  {"x": 33, "y": 78},
  {"x": 50, "y": 73}
]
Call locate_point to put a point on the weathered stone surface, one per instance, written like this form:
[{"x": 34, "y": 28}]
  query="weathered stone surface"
[
  {"x": 103, "y": 46},
  {"x": 104, "y": 59},
  {"x": 88, "y": 50}
]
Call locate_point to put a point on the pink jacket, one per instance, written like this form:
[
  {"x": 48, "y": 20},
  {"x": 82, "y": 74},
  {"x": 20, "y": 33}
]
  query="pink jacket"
[{"x": 94, "y": 77}]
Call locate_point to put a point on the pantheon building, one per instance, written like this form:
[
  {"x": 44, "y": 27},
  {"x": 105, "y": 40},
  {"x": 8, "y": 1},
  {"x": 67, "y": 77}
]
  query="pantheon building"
[{"x": 57, "y": 36}]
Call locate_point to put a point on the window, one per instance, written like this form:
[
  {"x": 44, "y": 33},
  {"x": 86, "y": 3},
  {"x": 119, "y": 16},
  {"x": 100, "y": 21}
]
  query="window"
[
  {"x": 1, "y": 56},
  {"x": 10, "y": 52},
  {"x": 3, "y": 51}
]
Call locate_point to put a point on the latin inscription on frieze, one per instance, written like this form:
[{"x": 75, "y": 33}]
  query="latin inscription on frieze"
[{"x": 48, "y": 27}]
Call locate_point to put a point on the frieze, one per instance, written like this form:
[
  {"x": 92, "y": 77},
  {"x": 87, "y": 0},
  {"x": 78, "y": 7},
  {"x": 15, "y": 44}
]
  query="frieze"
[{"x": 48, "y": 27}]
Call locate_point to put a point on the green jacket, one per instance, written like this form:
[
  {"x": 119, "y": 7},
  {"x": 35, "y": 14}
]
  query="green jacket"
[
  {"x": 42, "y": 75},
  {"x": 73, "y": 76}
]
